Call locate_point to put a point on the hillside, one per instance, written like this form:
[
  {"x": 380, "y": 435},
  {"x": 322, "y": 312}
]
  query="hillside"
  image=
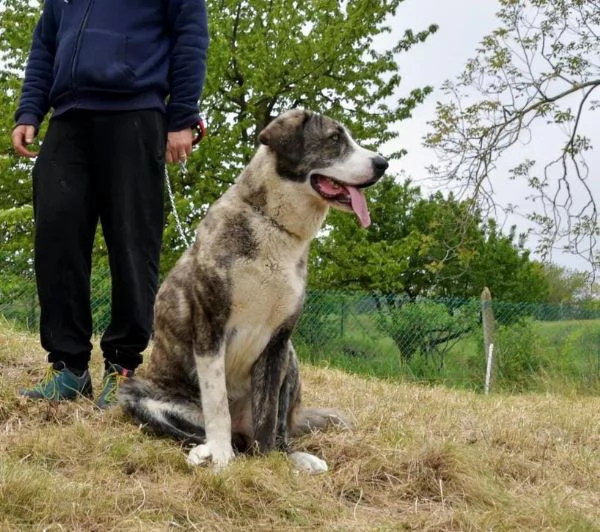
[{"x": 420, "y": 459}]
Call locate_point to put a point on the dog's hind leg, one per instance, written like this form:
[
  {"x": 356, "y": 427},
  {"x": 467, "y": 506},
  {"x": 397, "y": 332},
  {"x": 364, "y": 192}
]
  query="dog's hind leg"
[
  {"x": 287, "y": 393},
  {"x": 270, "y": 401},
  {"x": 162, "y": 413},
  {"x": 289, "y": 400}
]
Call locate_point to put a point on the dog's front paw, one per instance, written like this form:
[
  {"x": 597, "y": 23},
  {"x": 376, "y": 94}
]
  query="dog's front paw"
[
  {"x": 218, "y": 454},
  {"x": 309, "y": 463}
]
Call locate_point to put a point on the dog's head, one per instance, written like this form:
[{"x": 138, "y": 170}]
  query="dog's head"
[{"x": 319, "y": 153}]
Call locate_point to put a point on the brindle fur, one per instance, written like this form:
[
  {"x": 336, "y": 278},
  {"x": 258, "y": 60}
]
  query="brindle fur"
[{"x": 232, "y": 300}]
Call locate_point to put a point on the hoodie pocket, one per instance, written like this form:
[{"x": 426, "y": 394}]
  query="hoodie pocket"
[
  {"x": 63, "y": 61},
  {"x": 101, "y": 62}
]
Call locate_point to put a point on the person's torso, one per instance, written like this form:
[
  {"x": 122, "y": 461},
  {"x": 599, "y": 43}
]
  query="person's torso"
[{"x": 110, "y": 47}]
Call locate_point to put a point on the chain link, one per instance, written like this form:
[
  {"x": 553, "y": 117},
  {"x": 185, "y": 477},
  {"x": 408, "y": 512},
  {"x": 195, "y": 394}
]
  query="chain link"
[{"x": 183, "y": 172}]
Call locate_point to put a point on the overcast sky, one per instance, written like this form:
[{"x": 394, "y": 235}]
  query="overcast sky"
[{"x": 462, "y": 25}]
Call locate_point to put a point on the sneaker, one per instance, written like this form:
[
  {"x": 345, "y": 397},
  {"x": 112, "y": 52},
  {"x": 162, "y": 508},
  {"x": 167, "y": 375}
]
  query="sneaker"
[
  {"x": 114, "y": 375},
  {"x": 60, "y": 384}
]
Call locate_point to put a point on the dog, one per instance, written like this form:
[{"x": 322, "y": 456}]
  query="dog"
[{"x": 223, "y": 373}]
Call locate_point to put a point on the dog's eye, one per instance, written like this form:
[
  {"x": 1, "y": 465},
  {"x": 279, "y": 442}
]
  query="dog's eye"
[{"x": 335, "y": 137}]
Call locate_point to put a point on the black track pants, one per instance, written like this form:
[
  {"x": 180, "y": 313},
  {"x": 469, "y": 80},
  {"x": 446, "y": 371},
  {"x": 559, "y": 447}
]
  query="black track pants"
[{"x": 106, "y": 167}]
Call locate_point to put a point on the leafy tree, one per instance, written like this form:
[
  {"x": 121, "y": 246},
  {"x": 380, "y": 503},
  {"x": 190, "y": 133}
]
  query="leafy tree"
[
  {"x": 416, "y": 248},
  {"x": 537, "y": 72},
  {"x": 264, "y": 57},
  {"x": 16, "y": 214},
  {"x": 503, "y": 264},
  {"x": 425, "y": 326},
  {"x": 565, "y": 285}
]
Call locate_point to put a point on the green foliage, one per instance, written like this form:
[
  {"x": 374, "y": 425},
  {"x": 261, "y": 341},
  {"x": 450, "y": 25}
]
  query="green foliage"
[
  {"x": 425, "y": 327},
  {"x": 16, "y": 230},
  {"x": 531, "y": 355},
  {"x": 264, "y": 57},
  {"x": 322, "y": 317},
  {"x": 101, "y": 296},
  {"x": 17, "y": 20},
  {"x": 572, "y": 351},
  {"x": 564, "y": 285},
  {"x": 346, "y": 320},
  {"x": 17, "y": 285},
  {"x": 518, "y": 355}
]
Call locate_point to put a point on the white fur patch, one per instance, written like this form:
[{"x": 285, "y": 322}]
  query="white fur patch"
[
  {"x": 308, "y": 463},
  {"x": 215, "y": 407},
  {"x": 158, "y": 409}
]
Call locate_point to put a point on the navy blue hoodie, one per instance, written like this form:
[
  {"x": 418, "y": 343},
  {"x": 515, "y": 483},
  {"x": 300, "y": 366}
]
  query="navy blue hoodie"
[{"x": 116, "y": 55}]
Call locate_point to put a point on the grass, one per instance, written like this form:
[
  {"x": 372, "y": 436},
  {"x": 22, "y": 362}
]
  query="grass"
[
  {"x": 420, "y": 458},
  {"x": 530, "y": 356}
]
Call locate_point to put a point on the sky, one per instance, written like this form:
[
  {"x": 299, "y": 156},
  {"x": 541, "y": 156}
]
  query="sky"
[{"x": 462, "y": 25}]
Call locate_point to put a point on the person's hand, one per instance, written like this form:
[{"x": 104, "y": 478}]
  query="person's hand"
[
  {"x": 179, "y": 145},
  {"x": 23, "y": 135}
]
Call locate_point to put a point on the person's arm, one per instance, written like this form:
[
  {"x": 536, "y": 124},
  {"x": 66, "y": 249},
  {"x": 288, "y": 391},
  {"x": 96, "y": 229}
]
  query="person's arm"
[
  {"x": 34, "y": 102},
  {"x": 187, "y": 20}
]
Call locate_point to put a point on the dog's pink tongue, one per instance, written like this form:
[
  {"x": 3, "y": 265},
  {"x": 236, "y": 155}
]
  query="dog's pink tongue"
[{"x": 359, "y": 205}]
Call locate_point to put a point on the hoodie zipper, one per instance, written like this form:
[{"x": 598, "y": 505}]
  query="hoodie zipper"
[{"x": 78, "y": 43}]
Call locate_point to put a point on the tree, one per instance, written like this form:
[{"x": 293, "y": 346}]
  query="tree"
[
  {"x": 264, "y": 57},
  {"x": 424, "y": 261},
  {"x": 538, "y": 71},
  {"x": 16, "y": 213},
  {"x": 565, "y": 285}
]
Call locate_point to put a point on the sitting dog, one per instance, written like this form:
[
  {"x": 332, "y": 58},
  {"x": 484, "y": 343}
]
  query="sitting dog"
[{"x": 223, "y": 373}]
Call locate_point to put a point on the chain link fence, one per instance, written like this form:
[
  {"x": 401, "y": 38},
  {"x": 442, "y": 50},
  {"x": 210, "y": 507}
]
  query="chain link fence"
[{"x": 537, "y": 347}]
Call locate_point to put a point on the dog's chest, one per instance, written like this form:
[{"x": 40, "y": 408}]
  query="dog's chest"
[{"x": 265, "y": 296}]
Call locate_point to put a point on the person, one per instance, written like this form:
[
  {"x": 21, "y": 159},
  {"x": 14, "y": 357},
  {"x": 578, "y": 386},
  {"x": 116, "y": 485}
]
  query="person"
[{"x": 123, "y": 80}]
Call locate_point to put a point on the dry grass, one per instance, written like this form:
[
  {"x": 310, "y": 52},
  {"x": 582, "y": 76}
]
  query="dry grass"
[{"x": 420, "y": 459}]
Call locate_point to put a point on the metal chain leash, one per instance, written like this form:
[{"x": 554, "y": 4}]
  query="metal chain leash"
[
  {"x": 200, "y": 133},
  {"x": 183, "y": 172}
]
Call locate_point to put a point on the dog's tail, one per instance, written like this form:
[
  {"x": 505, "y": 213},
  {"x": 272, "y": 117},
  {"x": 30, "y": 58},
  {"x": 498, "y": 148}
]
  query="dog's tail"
[
  {"x": 314, "y": 419},
  {"x": 163, "y": 414}
]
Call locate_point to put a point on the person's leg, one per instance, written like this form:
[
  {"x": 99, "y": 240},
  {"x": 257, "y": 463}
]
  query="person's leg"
[
  {"x": 129, "y": 165},
  {"x": 65, "y": 221}
]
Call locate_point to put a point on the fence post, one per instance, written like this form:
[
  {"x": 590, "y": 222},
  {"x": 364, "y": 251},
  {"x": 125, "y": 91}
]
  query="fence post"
[{"x": 487, "y": 319}]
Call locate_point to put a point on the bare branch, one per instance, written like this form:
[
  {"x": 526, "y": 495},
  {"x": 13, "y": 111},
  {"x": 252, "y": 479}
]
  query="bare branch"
[{"x": 507, "y": 92}]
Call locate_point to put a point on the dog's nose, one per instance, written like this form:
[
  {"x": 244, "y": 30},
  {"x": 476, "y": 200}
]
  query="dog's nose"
[{"x": 379, "y": 165}]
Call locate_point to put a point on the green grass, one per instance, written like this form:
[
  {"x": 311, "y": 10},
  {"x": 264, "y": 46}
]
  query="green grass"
[{"x": 530, "y": 356}]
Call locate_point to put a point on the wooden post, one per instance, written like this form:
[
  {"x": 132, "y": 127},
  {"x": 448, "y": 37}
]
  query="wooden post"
[{"x": 487, "y": 318}]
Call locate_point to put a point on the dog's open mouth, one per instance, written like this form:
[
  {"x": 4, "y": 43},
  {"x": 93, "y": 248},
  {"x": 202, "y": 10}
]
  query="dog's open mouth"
[{"x": 346, "y": 196}]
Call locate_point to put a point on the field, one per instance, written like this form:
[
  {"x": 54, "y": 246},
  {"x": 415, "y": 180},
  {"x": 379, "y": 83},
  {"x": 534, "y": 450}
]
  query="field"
[
  {"x": 530, "y": 356},
  {"x": 420, "y": 458}
]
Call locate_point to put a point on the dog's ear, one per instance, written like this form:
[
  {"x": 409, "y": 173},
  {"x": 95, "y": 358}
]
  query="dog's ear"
[{"x": 285, "y": 134}]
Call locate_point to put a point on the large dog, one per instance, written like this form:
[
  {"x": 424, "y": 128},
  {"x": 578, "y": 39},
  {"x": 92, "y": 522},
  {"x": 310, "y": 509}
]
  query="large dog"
[{"x": 223, "y": 373}]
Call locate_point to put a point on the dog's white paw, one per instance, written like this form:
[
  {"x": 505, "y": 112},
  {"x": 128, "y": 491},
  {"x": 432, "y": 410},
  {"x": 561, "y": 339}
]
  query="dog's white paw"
[
  {"x": 209, "y": 452},
  {"x": 308, "y": 462}
]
